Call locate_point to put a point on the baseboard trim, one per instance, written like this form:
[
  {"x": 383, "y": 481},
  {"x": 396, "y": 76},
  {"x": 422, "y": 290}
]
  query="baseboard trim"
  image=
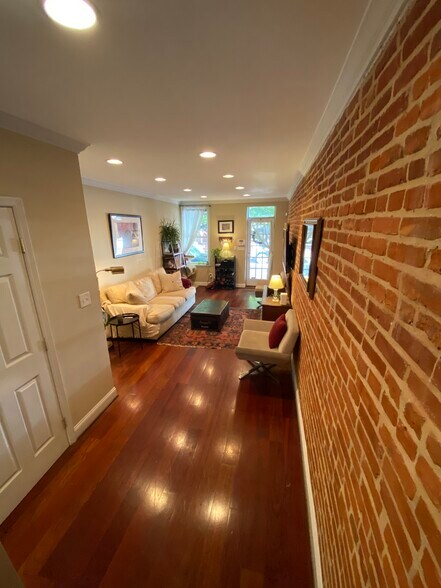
[
  {"x": 196, "y": 284},
  {"x": 95, "y": 412},
  {"x": 312, "y": 520}
]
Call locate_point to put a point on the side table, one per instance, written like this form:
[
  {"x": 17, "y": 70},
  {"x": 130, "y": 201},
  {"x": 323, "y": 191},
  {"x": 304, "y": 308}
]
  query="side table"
[
  {"x": 123, "y": 320},
  {"x": 271, "y": 310}
]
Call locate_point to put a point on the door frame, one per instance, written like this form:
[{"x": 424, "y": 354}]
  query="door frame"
[
  {"x": 30, "y": 262},
  {"x": 249, "y": 221}
]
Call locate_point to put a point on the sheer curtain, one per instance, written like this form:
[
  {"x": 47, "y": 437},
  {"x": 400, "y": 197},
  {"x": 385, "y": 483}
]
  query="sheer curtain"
[{"x": 191, "y": 222}]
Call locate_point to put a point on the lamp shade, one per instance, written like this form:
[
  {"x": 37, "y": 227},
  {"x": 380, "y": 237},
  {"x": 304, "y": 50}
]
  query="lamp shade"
[{"x": 276, "y": 282}]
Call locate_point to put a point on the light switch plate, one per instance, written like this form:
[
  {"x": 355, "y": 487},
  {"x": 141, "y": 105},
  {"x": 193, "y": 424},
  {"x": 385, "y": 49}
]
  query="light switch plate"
[{"x": 84, "y": 299}]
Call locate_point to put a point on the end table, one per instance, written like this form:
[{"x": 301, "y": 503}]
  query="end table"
[{"x": 271, "y": 310}]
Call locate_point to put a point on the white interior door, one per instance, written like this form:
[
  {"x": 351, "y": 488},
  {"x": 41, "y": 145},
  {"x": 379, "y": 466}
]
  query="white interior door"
[
  {"x": 32, "y": 435},
  {"x": 259, "y": 246}
]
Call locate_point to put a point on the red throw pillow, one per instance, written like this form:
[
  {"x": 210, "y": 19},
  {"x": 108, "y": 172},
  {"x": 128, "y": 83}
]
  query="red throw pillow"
[
  {"x": 186, "y": 282},
  {"x": 277, "y": 332}
]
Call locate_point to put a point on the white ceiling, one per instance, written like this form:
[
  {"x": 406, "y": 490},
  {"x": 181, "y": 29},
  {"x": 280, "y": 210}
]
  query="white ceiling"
[{"x": 157, "y": 82}]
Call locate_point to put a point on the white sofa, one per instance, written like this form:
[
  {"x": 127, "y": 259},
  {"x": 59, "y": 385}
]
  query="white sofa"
[{"x": 158, "y": 308}]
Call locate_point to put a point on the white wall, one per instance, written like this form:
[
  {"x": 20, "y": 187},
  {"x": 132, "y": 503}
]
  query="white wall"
[
  {"x": 99, "y": 203},
  {"x": 48, "y": 181}
]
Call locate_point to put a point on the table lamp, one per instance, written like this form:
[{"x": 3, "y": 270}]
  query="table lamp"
[{"x": 276, "y": 284}]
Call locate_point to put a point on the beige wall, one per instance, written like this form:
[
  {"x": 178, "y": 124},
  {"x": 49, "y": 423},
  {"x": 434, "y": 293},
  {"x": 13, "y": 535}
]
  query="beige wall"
[
  {"x": 98, "y": 204},
  {"x": 48, "y": 181},
  {"x": 238, "y": 213}
]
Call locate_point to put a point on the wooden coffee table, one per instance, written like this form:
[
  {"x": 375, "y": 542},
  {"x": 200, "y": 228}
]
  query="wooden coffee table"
[{"x": 210, "y": 314}]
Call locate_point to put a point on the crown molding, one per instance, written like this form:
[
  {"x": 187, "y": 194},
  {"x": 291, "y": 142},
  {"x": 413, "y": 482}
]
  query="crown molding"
[
  {"x": 124, "y": 190},
  {"x": 376, "y": 26},
  {"x": 29, "y": 129},
  {"x": 260, "y": 200}
]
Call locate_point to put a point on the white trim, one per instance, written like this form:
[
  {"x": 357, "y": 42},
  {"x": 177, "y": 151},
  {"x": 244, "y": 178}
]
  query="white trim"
[
  {"x": 196, "y": 284},
  {"x": 261, "y": 200},
  {"x": 372, "y": 34},
  {"x": 312, "y": 520},
  {"x": 242, "y": 286},
  {"x": 95, "y": 412},
  {"x": 29, "y": 129},
  {"x": 40, "y": 305},
  {"x": 125, "y": 190}
]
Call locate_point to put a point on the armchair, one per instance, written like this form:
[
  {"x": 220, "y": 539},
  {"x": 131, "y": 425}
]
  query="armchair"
[{"x": 254, "y": 346}]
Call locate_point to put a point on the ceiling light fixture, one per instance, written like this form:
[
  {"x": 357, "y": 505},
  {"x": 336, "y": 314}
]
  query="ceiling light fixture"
[
  {"x": 240, "y": 188},
  {"x": 187, "y": 189},
  {"x": 160, "y": 180},
  {"x": 204, "y": 196},
  {"x": 207, "y": 154},
  {"x": 245, "y": 195},
  {"x": 74, "y": 14},
  {"x": 114, "y": 161},
  {"x": 228, "y": 176}
]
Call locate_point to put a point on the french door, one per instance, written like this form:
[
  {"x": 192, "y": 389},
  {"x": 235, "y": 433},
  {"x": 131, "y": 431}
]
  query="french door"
[{"x": 259, "y": 247}]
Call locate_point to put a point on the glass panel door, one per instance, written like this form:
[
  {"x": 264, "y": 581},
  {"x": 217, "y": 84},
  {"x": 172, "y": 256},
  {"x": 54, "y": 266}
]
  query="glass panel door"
[{"x": 259, "y": 250}]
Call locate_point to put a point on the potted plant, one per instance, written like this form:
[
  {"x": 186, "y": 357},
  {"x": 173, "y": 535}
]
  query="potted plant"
[{"x": 170, "y": 234}]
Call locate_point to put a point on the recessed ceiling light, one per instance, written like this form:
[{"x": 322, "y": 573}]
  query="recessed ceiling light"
[
  {"x": 207, "y": 154},
  {"x": 204, "y": 196},
  {"x": 245, "y": 195},
  {"x": 228, "y": 176},
  {"x": 160, "y": 180},
  {"x": 187, "y": 189},
  {"x": 240, "y": 188},
  {"x": 74, "y": 14},
  {"x": 114, "y": 161}
]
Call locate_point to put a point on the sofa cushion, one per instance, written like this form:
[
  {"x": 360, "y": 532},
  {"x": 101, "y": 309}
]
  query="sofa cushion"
[
  {"x": 159, "y": 313},
  {"x": 277, "y": 332},
  {"x": 185, "y": 293},
  {"x": 147, "y": 287},
  {"x": 118, "y": 294},
  {"x": 175, "y": 301},
  {"x": 171, "y": 282},
  {"x": 136, "y": 297}
]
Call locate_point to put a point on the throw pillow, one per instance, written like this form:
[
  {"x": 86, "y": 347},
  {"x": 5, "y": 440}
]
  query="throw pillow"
[
  {"x": 277, "y": 332},
  {"x": 155, "y": 279},
  {"x": 117, "y": 294},
  {"x": 135, "y": 296},
  {"x": 171, "y": 282},
  {"x": 186, "y": 283},
  {"x": 147, "y": 288}
]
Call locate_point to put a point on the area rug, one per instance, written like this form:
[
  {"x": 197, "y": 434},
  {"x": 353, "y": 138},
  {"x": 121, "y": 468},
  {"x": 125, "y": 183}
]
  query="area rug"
[{"x": 182, "y": 335}]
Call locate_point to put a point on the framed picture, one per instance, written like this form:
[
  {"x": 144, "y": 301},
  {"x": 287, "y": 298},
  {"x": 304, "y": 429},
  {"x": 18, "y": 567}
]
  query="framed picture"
[
  {"x": 311, "y": 238},
  {"x": 126, "y": 234},
  {"x": 226, "y": 226}
]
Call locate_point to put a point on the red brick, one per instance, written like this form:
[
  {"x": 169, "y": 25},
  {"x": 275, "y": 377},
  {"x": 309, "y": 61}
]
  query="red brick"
[
  {"x": 435, "y": 261},
  {"x": 398, "y": 463},
  {"x": 430, "y": 572},
  {"x": 388, "y": 225},
  {"x": 434, "y": 166},
  {"x": 434, "y": 448},
  {"x": 414, "y": 348},
  {"x": 436, "y": 45},
  {"x": 414, "y": 418},
  {"x": 426, "y": 294},
  {"x": 431, "y": 481},
  {"x": 417, "y": 140},
  {"x": 433, "y": 196},
  {"x": 406, "y": 440},
  {"x": 421, "y": 30},
  {"x": 386, "y": 272},
  {"x": 408, "y": 120},
  {"x": 422, "y": 227},
  {"x": 396, "y": 200},
  {"x": 429, "y": 526},
  {"x": 416, "y": 169},
  {"x": 427, "y": 396},
  {"x": 414, "y": 198},
  {"x": 396, "y": 525},
  {"x": 390, "y": 354},
  {"x": 386, "y": 158},
  {"x": 431, "y": 327},
  {"x": 431, "y": 105},
  {"x": 408, "y": 254},
  {"x": 391, "y": 178},
  {"x": 415, "y": 65}
]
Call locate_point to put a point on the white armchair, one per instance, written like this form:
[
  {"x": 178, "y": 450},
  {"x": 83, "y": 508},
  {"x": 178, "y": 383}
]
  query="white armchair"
[{"x": 254, "y": 345}]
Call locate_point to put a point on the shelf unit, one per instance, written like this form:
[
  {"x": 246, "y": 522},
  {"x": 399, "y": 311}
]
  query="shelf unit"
[
  {"x": 225, "y": 273},
  {"x": 173, "y": 259}
]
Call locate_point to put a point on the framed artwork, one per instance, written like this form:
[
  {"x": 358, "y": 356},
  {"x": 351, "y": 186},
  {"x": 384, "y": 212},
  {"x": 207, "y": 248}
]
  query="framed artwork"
[
  {"x": 311, "y": 238},
  {"x": 225, "y": 226},
  {"x": 126, "y": 234}
]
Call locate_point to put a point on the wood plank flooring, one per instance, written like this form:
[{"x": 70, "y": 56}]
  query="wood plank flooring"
[{"x": 189, "y": 479}]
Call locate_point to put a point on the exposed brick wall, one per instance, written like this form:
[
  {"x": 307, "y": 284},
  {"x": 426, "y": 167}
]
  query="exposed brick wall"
[{"x": 369, "y": 363}]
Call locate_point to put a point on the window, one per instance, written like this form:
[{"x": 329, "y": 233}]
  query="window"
[
  {"x": 195, "y": 233},
  {"x": 261, "y": 211}
]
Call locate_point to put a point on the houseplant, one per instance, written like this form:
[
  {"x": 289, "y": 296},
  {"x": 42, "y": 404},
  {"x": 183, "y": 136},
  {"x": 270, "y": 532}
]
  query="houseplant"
[{"x": 170, "y": 234}]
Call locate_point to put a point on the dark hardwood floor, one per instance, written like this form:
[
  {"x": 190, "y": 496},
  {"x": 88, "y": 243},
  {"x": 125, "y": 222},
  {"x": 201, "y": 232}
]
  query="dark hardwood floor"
[{"x": 189, "y": 479}]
